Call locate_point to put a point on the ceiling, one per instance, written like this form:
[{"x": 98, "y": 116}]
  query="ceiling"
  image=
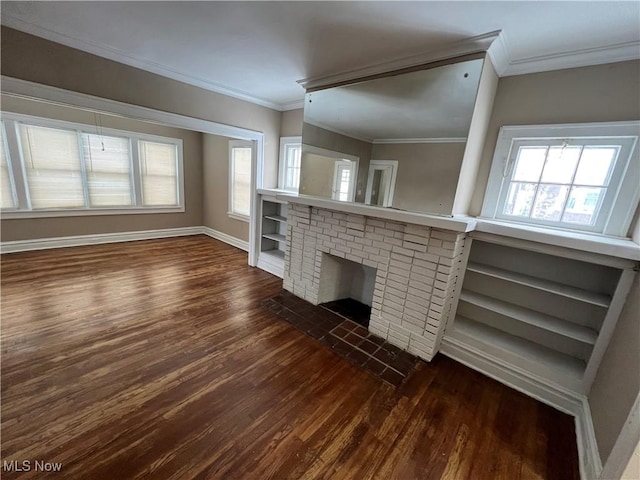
[{"x": 258, "y": 50}]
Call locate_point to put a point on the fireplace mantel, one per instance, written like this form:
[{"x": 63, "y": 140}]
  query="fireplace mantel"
[{"x": 454, "y": 224}]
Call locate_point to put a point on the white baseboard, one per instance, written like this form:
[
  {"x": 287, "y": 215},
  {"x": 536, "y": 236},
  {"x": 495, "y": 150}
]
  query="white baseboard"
[
  {"x": 223, "y": 237},
  {"x": 566, "y": 401},
  {"x": 80, "y": 240}
]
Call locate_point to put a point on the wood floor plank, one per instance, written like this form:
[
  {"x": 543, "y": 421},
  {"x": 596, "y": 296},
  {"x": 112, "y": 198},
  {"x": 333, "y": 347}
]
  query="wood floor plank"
[{"x": 157, "y": 359}]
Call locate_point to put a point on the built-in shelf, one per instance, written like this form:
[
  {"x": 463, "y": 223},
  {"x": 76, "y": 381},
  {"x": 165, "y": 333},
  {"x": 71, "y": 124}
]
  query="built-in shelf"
[
  {"x": 541, "y": 284},
  {"x": 536, "y": 319},
  {"x": 277, "y": 218},
  {"x": 273, "y": 233},
  {"x": 520, "y": 350},
  {"x": 274, "y": 254},
  {"x": 275, "y": 236}
]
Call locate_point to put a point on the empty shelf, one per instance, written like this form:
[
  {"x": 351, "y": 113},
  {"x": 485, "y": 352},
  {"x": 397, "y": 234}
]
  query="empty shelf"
[
  {"x": 541, "y": 284},
  {"x": 493, "y": 341},
  {"x": 531, "y": 317},
  {"x": 276, "y": 254},
  {"x": 277, "y": 218},
  {"x": 275, "y": 236}
]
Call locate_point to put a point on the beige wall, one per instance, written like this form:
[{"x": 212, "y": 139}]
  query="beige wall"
[
  {"x": 602, "y": 93},
  {"x": 427, "y": 174},
  {"x": 617, "y": 383},
  {"x": 38, "y": 60},
  {"x": 319, "y": 137},
  {"x": 33, "y": 228},
  {"x": 316, "y": 177},
  {"x": 291, "y": 123},
  {"x": 215, "y": 196}
]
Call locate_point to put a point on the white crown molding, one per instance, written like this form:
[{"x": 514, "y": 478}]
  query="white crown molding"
[
  {"x": 477, "y": 44},
  {"x": 499, "y": 54},
  {"x": 393, "y": 141},
  {"x": 126, "y": 59},
  {"x": 619, "y": 52},
  {"x": 338, "y": 131},
  {"x": 294, "y": 105}
]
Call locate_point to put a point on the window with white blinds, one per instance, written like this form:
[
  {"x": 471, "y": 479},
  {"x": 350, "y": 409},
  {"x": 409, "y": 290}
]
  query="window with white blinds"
[
  {"x": 7, "y": 195},
  {"x": 65, "y": 168},
  {"x": 240, "y": 154}
]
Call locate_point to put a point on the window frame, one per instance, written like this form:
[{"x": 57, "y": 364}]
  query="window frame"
[
  {"x": 614, "y": 215},
  {"x": 239, "y": 144},
  {"x": 23, "y": 207},
  {"x": 283, "y": 164}
]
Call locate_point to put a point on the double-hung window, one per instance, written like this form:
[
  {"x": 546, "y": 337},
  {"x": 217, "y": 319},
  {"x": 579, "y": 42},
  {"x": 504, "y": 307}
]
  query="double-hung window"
[
  {"x": 290, "y": 156},
  {"x": 55, "y": 168},
  {"x": 578, "y": 177},
  {"x": 240, "y": 159}
]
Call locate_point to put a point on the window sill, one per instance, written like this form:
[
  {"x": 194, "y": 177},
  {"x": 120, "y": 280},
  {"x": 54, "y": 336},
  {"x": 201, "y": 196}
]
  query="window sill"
[
  {"x": 16, "y": 214},
  {"x": 588, "y": 242},
  {"x": 237, "y": 216}
]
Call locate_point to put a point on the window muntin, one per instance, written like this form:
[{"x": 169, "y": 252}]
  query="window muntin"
[
  {"x": 576, "y": 182},
  {"x": 240, "y": 158},
  {"x": 64, "y": 168},
  {"x": 290, "y": 160},
  {"x": 7, "y": 195}
]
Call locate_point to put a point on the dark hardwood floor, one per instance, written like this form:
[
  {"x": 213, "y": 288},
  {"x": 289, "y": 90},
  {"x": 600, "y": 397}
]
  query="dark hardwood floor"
[{"x": 156, "y": 359}]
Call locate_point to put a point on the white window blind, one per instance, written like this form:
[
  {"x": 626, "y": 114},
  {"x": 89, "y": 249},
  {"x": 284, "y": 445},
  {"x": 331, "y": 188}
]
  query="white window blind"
[
  {"x": 108, "y": 166},
  {"x": 158, "y": 165},
  {"x": 240, "y": 187},
  {"x": 56, "y": 168},
  {"x": 7, "y": 196},
  {"x": 52, "y": 166}
]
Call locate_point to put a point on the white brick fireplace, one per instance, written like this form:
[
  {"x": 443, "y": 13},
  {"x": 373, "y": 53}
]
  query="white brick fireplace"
[{"x": 416, "y": 274}]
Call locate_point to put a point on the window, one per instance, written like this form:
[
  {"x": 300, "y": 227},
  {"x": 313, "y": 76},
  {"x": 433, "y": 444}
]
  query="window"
[
  {"x": 579, "y": 177},
  {"x": 290, "y": 155},
  {"x": 7, "y": 196},
  {"x": 240, "y": 155},
  {"x": 60, "y": 168}
]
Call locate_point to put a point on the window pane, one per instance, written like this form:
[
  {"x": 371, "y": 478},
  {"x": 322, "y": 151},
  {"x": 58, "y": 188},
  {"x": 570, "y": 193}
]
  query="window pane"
[
  {"x": 108, "y": 165},
  {"x": 582, "y": 205},
  {"x": 595, "y": 165},
  {"x": 561, "y": 163},
  {"x": 7, "y": 198},
  {"x": 549, "y": 202},
  {"x": 345, "y": 177},
  {"x": 292, "y": 167},
  {"x": 158, "y": 168},
  {"x": 52, "y": 166},
  {"x": 529, "y": 164},
  {"x": 241, "y": 188},
  {"x": 519, "y": 199}
]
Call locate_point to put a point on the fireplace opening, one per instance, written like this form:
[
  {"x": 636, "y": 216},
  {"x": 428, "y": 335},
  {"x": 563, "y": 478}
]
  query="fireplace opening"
[{"x": 346, "y": 288}]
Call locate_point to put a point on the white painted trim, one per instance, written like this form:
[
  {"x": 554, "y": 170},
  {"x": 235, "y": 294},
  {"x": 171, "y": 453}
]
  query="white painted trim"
[
  {"x": 477, "y": 44},
  {"x": 126, "y": 59},
  {"x": 223, "y": 237},
  {"x": 588, "y": 453},
  {"x": 555, "y": 396},
  {"x": 618, "y": 52},
  {"x": 499, "y": 54},
  {"x": 236, "y": 216},
  {"x": 394, "y": 141},
  {"x": 623, "y": 449},
  {"x": 393, "y": 164},
  {"x": 22, "y": 88},
  {"x": 272, "y": 266},
  {"x": 329, "y": 128},
  {"x": 282, "y": 158},
  {"x": 96, "y": 239}
]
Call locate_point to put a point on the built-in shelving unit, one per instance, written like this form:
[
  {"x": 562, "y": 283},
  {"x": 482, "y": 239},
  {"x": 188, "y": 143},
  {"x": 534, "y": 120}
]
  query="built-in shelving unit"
[
  {"x": 273, "y": 234},
  {"x": 540, "y": 314}
]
